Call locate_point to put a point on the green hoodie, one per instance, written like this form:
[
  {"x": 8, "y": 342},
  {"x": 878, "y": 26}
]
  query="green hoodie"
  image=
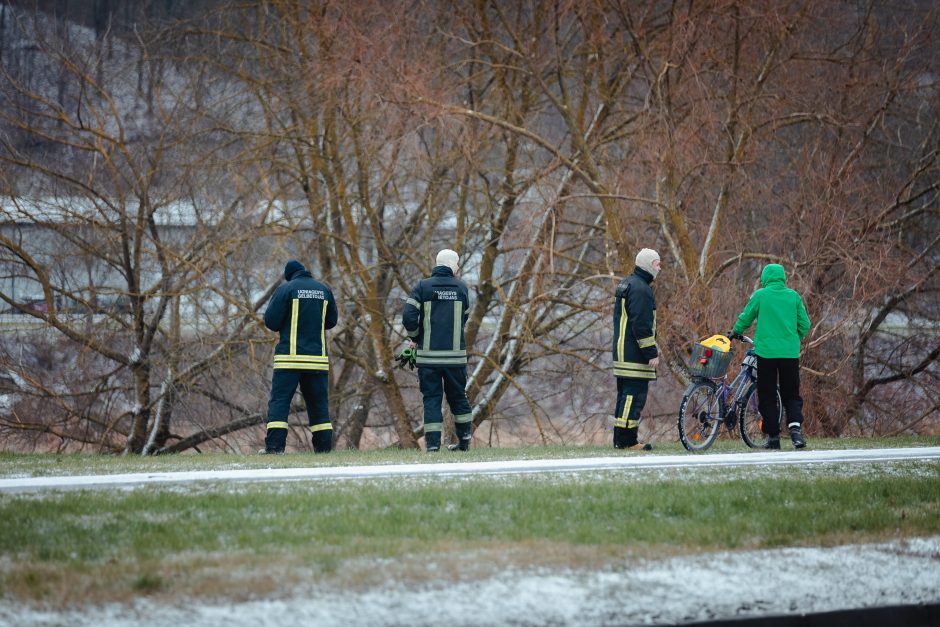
[{"x": 781, "y": 317}]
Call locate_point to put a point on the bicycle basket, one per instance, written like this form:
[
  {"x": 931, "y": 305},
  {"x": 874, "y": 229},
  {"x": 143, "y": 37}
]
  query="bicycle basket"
[{"x": 708, "y": 362}]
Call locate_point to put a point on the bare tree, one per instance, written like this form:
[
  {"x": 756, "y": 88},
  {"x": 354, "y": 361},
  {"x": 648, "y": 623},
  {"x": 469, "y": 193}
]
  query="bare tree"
[
  {"x": 116, "y": 246},
  {"x": 546, "y": 141}
]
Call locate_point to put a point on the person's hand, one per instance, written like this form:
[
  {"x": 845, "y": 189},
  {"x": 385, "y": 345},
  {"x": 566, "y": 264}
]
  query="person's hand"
[
  {"x": 654, "y": 362},
  {"x": 412, "y": 344},
  {"x": 407, "y": 357}
]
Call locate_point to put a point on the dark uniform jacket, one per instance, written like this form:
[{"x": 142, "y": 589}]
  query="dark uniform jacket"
[
  {"x": 635, "y": 327},
  {"x": 434, "y": 318},
  {"x": 301, "y": 310}
]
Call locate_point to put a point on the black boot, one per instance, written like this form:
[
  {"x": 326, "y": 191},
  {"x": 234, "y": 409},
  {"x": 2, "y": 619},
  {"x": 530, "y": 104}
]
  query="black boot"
[
  {"x": 275, "y": 441},
  {"x": 620, "y": 438},
  {"x": 322, "y": 441},
  {"x": 463, "y": 437},
  {"x": 432, "y": 441},
  {"x": 772, "y": 443},
  {"x": 463, "y": 444},
  {"x": 796, "y": 435}
]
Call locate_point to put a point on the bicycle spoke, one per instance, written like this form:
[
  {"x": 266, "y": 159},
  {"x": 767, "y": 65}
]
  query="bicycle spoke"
[
  {"x": 700, "y": 417},
  {"x": 751, "y": 422}
]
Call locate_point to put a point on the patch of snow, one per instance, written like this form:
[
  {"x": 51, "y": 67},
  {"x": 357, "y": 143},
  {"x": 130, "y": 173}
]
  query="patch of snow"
[
  {"x": 7, "y": 401},
  {"x": 704, "y": 587},
  {"x": 18, "y": 381}
]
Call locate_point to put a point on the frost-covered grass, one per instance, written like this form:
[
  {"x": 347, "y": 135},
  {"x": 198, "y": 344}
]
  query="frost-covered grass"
[
  {"x": 250, "y": 540},
  {"x": 21, "y": 465}
]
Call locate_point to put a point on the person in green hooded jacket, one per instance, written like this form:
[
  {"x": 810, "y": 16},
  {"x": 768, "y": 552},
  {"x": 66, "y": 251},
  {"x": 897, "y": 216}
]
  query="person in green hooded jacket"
[{"x": 781, "y": 324}]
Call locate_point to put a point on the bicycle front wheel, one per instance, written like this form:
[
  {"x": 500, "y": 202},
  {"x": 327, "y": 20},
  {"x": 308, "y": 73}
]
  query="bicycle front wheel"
[
  {"x": 700, "y": 416},
  {"x": 750, "y": 419}
]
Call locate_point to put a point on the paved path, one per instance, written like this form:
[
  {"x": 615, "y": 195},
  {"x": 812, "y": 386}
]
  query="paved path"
[{"x": 450, "y": 469}]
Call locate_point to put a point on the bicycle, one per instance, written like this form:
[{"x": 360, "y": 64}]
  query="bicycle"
[{"x": 711, "y": 401}]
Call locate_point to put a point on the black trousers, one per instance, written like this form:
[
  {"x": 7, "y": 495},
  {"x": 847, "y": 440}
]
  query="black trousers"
[
  {"x": 436, "y": 383},
  {"x": 786, "y": 373},
  {"x": 631, "y": 398},
  {"x": 315, "y": 388}
]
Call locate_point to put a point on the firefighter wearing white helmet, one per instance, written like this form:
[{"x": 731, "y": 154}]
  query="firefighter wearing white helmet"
[
  {"x": 434, "y": 317},
  {"x": 635, "y": 353}
]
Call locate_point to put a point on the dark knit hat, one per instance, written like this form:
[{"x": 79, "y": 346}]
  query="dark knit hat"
[{"x": 293, "y": 267}]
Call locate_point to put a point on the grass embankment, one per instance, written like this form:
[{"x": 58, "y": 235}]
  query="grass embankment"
[{"x": 259, "y": 540}]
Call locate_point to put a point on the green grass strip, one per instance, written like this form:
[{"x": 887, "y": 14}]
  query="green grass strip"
[
  {"x": 380, "y": 517},
  {"x": 245, "y": 539}
]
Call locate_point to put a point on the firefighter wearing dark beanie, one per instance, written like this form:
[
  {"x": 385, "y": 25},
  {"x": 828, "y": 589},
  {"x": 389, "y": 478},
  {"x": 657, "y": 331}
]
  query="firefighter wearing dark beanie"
[{"x": 300, "y": 311}]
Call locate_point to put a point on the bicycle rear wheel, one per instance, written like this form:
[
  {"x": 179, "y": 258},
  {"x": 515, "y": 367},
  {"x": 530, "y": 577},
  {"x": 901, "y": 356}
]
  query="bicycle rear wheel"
[
  {"x": 750, "y": 420},
  {"x": 700, "y": 416}
]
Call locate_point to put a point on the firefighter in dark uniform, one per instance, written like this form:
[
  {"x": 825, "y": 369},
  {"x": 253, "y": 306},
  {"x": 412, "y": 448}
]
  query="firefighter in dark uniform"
[
  {"x": 635, "y": 352},
  {"x": 301, "y": 310},
  {"x": 434, "y": 318}
]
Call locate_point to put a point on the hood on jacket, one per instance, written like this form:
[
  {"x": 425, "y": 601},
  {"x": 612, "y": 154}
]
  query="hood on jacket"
[
  {"x": 773, "y": 273},
  {"x": 291, "y": 268}
]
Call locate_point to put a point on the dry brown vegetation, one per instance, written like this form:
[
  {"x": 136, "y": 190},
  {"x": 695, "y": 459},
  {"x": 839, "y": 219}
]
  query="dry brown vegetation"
[{"x": 159, "y": 168}]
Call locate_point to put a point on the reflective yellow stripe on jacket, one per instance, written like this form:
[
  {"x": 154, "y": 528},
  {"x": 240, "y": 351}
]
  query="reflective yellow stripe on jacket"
[
  {"x": 646, "y": 342},
  {"x": 301, "y": 362},
  {"x": 293, "y": 361},
  {"x": 621, "y": 337},
  {"x": 634, "y": 370},
  {"x": 323, "y": 330},
  {"x": 294, "y": 308}
]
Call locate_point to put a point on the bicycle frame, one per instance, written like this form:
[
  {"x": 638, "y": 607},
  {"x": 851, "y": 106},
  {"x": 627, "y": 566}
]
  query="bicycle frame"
[
  {"x": 739, "y": 385},
  {"x": 730, "y": 403},
  {"x": 710, "y": 401}
]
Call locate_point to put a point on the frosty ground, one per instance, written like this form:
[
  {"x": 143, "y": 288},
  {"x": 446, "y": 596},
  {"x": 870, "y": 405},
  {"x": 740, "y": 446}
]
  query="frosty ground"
[
  {"x": 705, "y": 587},
  {"x": 646, "y": 591}
]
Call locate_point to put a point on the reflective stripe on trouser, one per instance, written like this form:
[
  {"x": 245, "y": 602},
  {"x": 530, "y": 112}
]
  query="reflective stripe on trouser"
[
  {"x": 436, "y": 383},
  {"x": 631, "y": 398},
  {"x": 314, "y": 386}
]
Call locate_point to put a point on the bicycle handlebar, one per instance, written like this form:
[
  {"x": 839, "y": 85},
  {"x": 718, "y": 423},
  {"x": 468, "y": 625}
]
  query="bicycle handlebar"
[{"x": 738, "y": 336}]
